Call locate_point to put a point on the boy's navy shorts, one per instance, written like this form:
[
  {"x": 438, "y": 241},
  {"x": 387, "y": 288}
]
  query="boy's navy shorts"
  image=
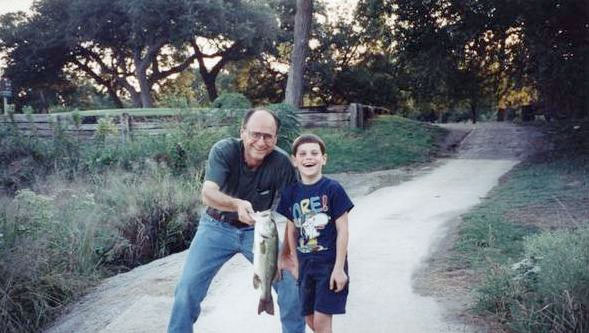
[{"x": 314, "y": 291}]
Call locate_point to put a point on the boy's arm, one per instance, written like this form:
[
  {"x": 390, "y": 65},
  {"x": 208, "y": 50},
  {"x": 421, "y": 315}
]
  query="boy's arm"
[
  {"x": 339, "y": 278},
  {"x": 288, "y": 257}
]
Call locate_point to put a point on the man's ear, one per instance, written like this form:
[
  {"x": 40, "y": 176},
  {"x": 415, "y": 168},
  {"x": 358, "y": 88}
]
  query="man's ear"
[
  {"x": 293, "y": 161},
  {"x": 324, "y": 159}
]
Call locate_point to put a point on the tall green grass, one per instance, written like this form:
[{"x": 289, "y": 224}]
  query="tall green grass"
[{"x": 389, "y": 142}]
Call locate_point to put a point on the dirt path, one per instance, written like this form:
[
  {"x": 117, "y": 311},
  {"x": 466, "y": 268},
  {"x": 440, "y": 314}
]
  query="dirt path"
[{"x": 392, "y": 231}]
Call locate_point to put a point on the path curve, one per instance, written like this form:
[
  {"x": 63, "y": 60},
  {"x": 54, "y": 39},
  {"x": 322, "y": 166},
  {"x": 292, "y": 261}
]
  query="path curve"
[{"x": 392, "y": 230}]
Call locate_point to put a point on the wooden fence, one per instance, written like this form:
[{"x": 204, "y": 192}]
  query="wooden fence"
[{"x": 132, "y": 122}]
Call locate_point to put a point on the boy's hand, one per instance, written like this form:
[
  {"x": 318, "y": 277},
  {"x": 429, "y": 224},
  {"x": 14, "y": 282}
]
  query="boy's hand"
[{"x": 338, "y": 280}]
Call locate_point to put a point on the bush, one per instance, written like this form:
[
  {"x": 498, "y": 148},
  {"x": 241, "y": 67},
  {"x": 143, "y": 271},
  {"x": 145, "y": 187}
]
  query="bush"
[
  {"x": 184, "y": 148},
  {"x": 231, "y": 101},
  {"x": 58, "y": 240},
  {"x": 154, "y": 213},
  {"x": 290, "y": 124},
  {"x": 548, "y": 291},
  {"x": 48, "y": 248},
  {"x": 23, "y": 159}
]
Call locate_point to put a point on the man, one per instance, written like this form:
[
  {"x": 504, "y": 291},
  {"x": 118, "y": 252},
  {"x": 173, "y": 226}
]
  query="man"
[{"x": 242, "y": 176}]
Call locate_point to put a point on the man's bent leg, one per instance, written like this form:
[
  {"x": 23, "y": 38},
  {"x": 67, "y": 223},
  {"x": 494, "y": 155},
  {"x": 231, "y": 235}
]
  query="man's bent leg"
[{"x": 211, "y": 247}]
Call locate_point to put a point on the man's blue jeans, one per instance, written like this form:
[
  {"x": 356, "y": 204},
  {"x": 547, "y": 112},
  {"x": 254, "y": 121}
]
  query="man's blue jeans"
[{"x": 216, "y": 242}]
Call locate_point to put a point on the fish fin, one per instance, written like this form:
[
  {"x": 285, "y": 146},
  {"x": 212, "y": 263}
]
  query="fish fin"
[
  {"x": 257, "y": 281},
  {"x": 267, "y": 305}
]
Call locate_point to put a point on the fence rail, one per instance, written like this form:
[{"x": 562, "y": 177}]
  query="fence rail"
[{"x": 131, "y": 122}]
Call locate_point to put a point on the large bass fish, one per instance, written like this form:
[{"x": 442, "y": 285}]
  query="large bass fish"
[{"x": 265, "y": 258}]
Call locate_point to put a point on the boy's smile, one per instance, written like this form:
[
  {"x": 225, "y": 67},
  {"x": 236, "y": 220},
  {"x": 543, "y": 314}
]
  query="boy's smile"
[{"x": 309, "y": 160}]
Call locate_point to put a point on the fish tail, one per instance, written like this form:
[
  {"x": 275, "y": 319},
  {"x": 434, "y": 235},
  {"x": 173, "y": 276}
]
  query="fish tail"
[{"x": 266, "y": 304}]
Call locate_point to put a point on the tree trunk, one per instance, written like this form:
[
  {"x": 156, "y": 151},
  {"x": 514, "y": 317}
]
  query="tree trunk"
[
  {"x": 473, "y": 111},
  {"x": 209, "y": 80},
  {"x": 144, "y": 88},
  {"x": 115, "y": 98},
  {"x": 302, "y": 29}
]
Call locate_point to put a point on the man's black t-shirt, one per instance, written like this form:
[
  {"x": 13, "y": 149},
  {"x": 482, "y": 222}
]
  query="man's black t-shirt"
[{"x": 226, "y": 167}]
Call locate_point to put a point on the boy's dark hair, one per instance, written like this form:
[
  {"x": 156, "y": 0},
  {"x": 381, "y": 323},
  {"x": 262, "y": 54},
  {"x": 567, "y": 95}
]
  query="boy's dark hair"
[
  {"x": 250, "y": 112},
  {"x": 308, "y": 138}
]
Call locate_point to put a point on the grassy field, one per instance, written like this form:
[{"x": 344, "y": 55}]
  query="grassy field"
[
  {"x": 390, "y": 142},
  {"x": 529, "y": 241},
  {"x": 72, "y": 213}
]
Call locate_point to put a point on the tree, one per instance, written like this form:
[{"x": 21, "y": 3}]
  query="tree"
[
  {"x": 482, "y": 49},
  {"x": 130, "y": 46},
  {"x": 302, "y": 28}
]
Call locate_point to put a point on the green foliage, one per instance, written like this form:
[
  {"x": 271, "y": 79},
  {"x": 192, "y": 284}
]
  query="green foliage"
[
  {"x": 55, "y": 246},
  {"x": 106, "y": 128},
  {"x": 48, "y": 249},
  {"x": 548, "y": 290},
  {"x": 289, "y": 124},
  {"x": 184, "y": 148},
  {"x": 58, "y": 109},
  {"x": 231, "y": 101},
  {"x": 527, "y": 243},
  {"x": 389, "y": 142},
  {"x": 27, "y": 109},
  {"x": 24, "y": 160},
  {"x": 153, "y": 34},
  {"x": 473, "y": 50},
  {"x": 156, "y": 213}
]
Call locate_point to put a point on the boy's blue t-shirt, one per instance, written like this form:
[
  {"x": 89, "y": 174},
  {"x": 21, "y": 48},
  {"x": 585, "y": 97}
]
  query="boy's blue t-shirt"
[{"x": 314, "y": 209}]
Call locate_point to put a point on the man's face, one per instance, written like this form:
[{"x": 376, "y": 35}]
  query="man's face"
[{"x": 259, "y": 138}]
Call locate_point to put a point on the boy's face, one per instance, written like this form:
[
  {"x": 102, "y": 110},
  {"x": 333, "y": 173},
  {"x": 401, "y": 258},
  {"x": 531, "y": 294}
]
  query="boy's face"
[{"x": 309, "y": 160}]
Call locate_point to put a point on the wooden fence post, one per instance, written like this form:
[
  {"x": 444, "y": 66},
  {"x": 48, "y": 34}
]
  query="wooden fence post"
[
  {"x": 124, "y": 127},
  {"x": 356, "y": 116},
  {"x": 56, "y": 126}
]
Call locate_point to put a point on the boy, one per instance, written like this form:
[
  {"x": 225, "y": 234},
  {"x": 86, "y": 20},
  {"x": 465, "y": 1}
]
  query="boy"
[{"x": 317, "y": 211}]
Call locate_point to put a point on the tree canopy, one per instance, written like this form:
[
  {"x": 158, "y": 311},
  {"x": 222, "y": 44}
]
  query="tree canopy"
[
  {"x": 129, "y": 46},
  {"x": 429, "y": 54}
]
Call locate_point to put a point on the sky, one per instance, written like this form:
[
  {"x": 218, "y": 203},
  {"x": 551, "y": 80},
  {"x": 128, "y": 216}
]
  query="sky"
[{"x": 14, "y": 5}]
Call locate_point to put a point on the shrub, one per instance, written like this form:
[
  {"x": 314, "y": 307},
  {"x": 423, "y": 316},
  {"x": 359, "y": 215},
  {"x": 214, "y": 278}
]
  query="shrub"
[
  {"x": 48, "y": 248},
  {"x": 182, "y": 149},
  {"x": 290, "y": 124},
  {"x": 231, "y": 101},
  {"x": 23, "y": 159},
  {"x": 105, "y": 129},
  {"x": 155, "y": 214},
  {"x": 548, "y": 291},
  {"x": 58, "y": 240}
]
